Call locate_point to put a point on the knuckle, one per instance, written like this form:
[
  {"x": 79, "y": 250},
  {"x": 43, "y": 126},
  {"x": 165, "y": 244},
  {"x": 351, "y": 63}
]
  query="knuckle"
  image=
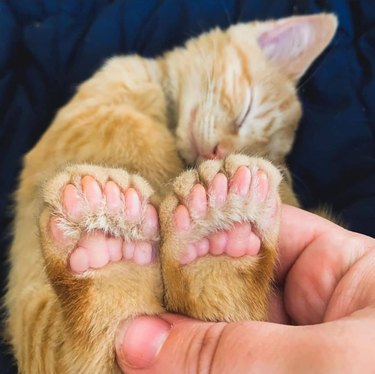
[{"x": 211, "y": 341}]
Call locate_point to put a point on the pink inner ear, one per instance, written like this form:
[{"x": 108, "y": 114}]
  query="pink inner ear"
[
  {"x": 283, "y": 42},
  {"x": 295, "y": 42}
]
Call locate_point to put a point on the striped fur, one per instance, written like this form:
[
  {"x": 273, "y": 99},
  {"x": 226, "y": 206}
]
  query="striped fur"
[{"x": 141, "y": 115}]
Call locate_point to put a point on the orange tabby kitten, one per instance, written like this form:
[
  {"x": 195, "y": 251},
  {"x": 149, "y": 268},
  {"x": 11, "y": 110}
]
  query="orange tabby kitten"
[{"x": 92, "y": 244}]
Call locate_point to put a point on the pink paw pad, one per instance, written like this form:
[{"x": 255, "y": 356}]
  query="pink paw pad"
[
  {"x": 218, "y": 190},
  {"x": 240, "y": 182},
  {"x": 96, "y": 250},
  {"x": 114, "y": 197},
  {"x": 239, "y": 242}
]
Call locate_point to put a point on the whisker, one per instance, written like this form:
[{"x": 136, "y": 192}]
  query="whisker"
[
  {"x": 226, "y": 12},
  {"x": 239, "y": 17}
]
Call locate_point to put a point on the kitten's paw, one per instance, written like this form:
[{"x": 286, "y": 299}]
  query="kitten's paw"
[
  {"x": 112, "y": 224},
  {"x": 100, "y": 236},
  {"x": 98, "y": 221},
  {"x": 220, "y": 229}
]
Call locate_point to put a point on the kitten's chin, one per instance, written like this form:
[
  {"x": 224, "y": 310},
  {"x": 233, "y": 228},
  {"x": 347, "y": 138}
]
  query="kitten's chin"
[
  {"x": 205, "y": 158},
  {"x": 192, "y": 158},
  {"x": 195, "y": 161},
  {"x": 189, "y": 157}
]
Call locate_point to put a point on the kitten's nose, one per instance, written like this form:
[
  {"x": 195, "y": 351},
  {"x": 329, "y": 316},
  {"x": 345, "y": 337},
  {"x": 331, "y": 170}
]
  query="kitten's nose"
[
  {"x": 220, "y": 151},
  {"x": 216, "y": 153}
]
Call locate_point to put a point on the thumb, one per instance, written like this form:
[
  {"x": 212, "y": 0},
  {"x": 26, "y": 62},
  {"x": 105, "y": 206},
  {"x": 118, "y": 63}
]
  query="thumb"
[
  {"x": 167, "y": 344},
  {"x": 175, "y": 344}
]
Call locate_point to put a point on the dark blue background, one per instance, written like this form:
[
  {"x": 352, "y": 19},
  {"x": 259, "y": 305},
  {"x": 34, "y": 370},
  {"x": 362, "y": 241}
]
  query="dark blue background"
[{"x": 47, "y": 47}]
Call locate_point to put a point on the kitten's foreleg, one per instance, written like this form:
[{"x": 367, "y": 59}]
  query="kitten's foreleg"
[{"x": 220, "y": 230}]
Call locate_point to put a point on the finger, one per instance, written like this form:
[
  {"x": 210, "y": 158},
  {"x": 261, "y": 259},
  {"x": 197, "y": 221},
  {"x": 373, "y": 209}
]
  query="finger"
[
  {"x": 298, "y": 229},
  {"x": 157, "y": 344},
  {"x": 185, "y": 346},
  {"x": 316, "y": 260},
  {"x": 276, "y": 309}
]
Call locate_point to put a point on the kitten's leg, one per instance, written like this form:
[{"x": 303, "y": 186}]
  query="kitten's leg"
[
  {"x": 99, "y": 236},
  {"x": 220, "y": 230},
  {"x": 117, "y": 118}
]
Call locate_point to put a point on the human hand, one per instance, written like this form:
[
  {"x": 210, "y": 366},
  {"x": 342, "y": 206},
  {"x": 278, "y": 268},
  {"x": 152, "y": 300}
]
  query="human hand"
[{"x": 326, "y": 283}]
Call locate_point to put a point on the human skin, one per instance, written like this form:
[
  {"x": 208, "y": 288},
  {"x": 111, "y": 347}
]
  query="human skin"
[{"x": 322, "y": 316}]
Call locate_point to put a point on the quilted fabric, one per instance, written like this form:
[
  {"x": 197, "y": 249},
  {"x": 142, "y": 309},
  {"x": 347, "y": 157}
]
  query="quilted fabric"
[{"x": 47, "y": 47}]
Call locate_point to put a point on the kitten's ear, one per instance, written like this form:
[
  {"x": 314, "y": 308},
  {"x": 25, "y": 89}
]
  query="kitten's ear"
[{"x": 294, "y": 43}]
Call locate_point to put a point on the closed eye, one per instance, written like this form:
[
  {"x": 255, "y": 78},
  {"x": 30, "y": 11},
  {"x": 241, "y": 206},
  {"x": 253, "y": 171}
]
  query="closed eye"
[{"x": 246, "y": 109}]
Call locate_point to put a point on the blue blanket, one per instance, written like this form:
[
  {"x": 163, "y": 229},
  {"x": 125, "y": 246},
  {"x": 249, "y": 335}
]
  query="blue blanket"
[{"x": 47, "y": 47}]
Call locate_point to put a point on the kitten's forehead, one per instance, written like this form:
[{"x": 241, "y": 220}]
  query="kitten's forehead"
[
  {"x": 225, "y": 70},
  {"x": 224, "y": 53},
  {"x": 233, "y": 61},
  {"x": 222, "y": 63}
]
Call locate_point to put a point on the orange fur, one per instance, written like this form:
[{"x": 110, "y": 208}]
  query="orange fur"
[{"x": 130, "y": 123}]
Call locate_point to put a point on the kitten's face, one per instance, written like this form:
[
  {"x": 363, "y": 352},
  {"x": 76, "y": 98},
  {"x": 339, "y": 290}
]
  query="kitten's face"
[
  {"x": 236, "y": 89},
  {"x": 235, "y": 103}
]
